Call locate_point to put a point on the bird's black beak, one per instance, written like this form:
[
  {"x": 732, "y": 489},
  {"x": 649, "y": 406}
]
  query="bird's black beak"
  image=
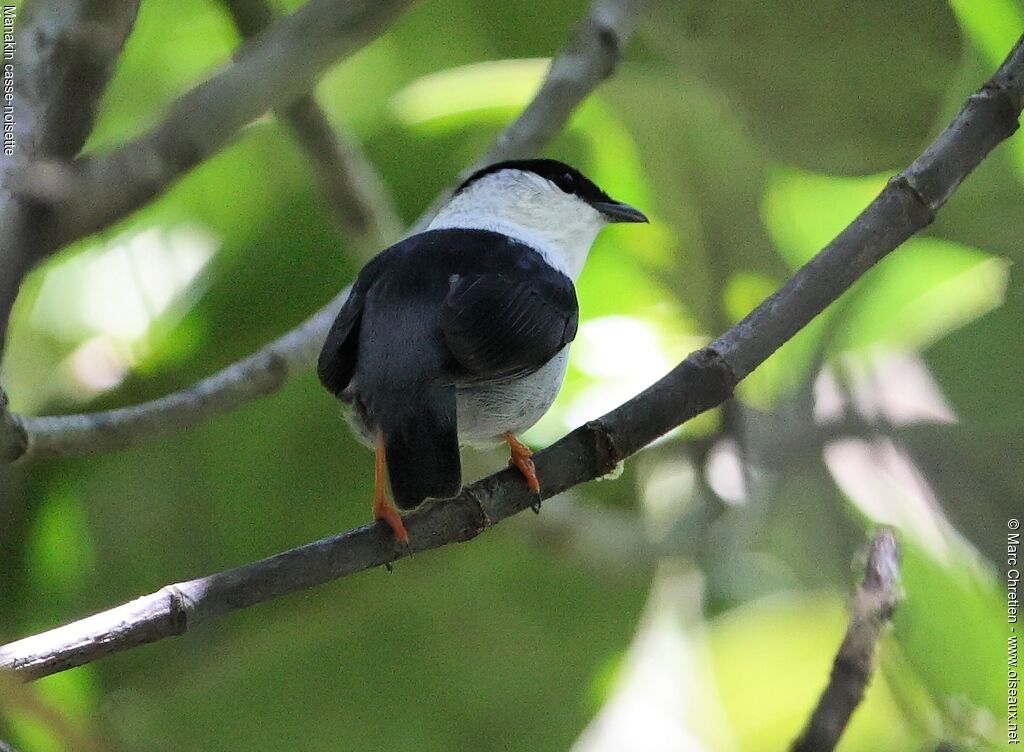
[{"x": 616, "y": 211}]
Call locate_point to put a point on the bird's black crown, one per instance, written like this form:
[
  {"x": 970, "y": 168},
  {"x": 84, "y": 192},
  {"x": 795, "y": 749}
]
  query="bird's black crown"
[{"x": 568, "y": 179}]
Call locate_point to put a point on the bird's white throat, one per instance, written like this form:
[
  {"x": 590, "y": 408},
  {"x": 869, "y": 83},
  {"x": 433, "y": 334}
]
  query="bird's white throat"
[{"x": 530, "y": 209}]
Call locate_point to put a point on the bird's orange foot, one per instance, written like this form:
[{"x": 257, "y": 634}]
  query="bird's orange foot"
[
  {"x": 520, "y": 457},
  {"x": 384, "y": 510}
]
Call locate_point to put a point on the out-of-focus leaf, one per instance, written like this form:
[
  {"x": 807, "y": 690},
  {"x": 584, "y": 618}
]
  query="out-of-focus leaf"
[
  {"x": 970, "y": 466},
  {"x": 708, "y": 174},
  {"x": 481, "y": 87},
  {"x": 822, "y": 87},
  {"x": 52, "y": 715},
  {"x": 920, "y": 293},
  {"x": 172, "y": 47},
  {"x": 951, "y": 628},
  {"x": 924, "y": 290},
  {"x": 979, "y": 367},
  {"x": 61, "y": 551},
  {"x": 803, "y": 211}
]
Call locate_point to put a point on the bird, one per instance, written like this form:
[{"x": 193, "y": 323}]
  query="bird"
[{"x": 459, "y": 335}]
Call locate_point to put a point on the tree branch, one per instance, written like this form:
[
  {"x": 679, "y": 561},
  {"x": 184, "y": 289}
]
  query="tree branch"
[
  {"x": 67, "y": 50},
  {"x": 872, "y": 608},
  {"x": 362, "y": 206},
  {"x": 13, "y": 438},
  {"x": 262, "y": 373},
  {"x": 266, "y": 370},
  {"x": 57, "y": 203},
  {"x": 270, "y": 71},
  {"x": 705, "y": 379},
  {"x": 66, "y": 54}
]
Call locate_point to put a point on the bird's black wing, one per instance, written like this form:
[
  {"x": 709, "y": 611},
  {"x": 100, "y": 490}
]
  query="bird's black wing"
[
  {"x": 508, "y": 323},
  {"x": 337, "y": 361}
]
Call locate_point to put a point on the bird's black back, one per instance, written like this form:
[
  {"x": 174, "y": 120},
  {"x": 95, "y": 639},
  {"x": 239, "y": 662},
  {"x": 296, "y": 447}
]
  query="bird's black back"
[{"x": 440, "y": 309}]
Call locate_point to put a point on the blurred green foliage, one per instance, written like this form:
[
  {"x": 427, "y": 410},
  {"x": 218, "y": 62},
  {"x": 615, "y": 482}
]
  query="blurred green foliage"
[{"x": 751, "y": 133}]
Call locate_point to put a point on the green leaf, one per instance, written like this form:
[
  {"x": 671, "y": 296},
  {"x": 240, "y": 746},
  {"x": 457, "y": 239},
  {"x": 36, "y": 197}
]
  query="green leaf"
[{"x": 821, "y": 87}]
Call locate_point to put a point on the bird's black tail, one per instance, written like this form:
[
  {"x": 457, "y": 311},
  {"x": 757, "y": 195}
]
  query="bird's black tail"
[{"x": 421, "y": 447}]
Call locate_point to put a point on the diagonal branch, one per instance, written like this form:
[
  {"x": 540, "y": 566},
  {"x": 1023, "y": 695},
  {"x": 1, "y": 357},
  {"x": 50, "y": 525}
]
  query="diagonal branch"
[
  {"x": 273, "y": 70},
  {"x": 58, "y": 203},
  {"x": 268, "y": 369},
  {"x": 872, "y": 608},
  {"x": 705, "y": 379}
]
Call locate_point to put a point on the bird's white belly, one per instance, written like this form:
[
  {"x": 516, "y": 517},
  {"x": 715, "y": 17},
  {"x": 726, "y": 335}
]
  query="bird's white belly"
[{"x": 486, "y": 412}]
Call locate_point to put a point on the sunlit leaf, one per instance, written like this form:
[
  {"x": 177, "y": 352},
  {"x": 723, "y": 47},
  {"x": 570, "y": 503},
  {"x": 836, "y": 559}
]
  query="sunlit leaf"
[
  {"x": 920, "y": 293},
  {"x": 954, "y": 610},
  {"x": 803, "y": 211}
]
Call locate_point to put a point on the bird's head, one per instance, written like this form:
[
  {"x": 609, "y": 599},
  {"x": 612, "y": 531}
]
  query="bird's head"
[{"x": 542, "y": 202}]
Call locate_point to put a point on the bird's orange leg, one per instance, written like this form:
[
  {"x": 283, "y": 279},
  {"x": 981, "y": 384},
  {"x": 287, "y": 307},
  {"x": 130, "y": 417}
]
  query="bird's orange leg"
[
  {"x": 383, "y": 509},
  {"x": 520, "y": 456}
]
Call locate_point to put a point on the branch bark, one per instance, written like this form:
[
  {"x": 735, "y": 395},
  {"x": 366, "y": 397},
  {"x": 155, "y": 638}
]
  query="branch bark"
[
  {"x": 703, "y": 380},
  {"x": 273, "y": 70},
  {"x": 872, "y": 608},
  {"x": 67, "y": 50},
  {"x": 266, "y": 370},
  {"x": 262, "y": 373},
  {"x": 56, "y": 203},
  {"x": 13, "y": 439}
]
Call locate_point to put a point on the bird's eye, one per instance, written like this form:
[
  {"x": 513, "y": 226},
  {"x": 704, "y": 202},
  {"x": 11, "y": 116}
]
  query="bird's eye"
[{"x": 566, "y": 182}]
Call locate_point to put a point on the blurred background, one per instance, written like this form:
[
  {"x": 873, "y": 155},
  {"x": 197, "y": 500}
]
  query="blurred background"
[{"x": 696, "y": 602}]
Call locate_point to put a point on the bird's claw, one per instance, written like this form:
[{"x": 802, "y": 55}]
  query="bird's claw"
[{"x": 520, "y": 457}]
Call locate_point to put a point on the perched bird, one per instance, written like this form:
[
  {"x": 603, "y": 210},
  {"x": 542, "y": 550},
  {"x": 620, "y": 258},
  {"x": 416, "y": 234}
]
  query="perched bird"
[{"x": 460, "y": 335}]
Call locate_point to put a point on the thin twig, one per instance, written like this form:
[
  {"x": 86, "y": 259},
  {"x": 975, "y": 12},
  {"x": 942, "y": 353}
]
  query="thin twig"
[
  {"x": 872, "y": 608},
  {"x": 705, "y": 379},
  {"x": 266, "y": 370},
  {"x": 362, "y": 207}
]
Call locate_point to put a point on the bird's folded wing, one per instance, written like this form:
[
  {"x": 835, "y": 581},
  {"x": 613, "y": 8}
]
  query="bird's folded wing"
[
  {"x": 505, "y": 325},
  {"x": 337, "y": 361}
]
